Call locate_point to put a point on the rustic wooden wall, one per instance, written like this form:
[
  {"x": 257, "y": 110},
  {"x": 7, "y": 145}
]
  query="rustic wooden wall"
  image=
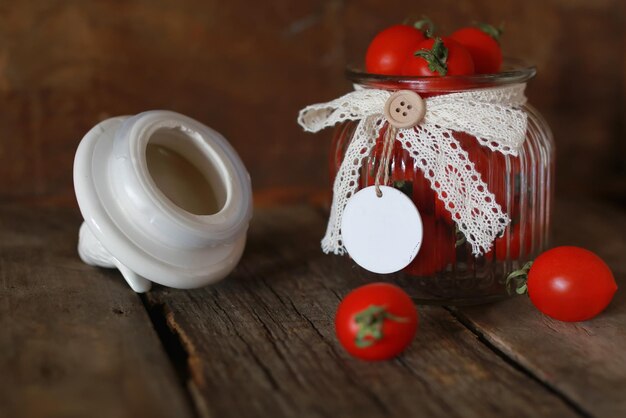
[{"x": 245, "y": 68}]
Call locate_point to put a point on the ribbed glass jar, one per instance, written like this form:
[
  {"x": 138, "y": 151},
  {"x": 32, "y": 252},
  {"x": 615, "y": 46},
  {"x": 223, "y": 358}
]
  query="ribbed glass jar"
[{"x": 445, "y": 271}]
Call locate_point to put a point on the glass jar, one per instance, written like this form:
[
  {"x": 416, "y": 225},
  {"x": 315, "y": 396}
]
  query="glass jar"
[{"x": 445, "y": 271}]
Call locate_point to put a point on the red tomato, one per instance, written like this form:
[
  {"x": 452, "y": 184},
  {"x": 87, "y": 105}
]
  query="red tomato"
[
  {"x": 402, "y": 167},
  {"x": 438, "y": 57},
  {"x": 376, "y": 321},
  {"x": 516, "y": 250},
  {"x": 423, "y": 195},
  {"x": 390, "y": 48},
  {"x": 476, "y": 154},
  {"x": 441, "y": 212},
  {"x": 490, "y": 165},
  {"x": 570, "y": 284},
  {"x": 377, "y": 155},
  {"x": 482, "y": 44},
  {"x": 401, "y": 164},
  {"x": 437, "y": 251}
]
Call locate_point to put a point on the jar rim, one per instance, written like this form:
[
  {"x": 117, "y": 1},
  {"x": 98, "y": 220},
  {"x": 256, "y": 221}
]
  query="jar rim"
[{"x": 514, "y": 71}]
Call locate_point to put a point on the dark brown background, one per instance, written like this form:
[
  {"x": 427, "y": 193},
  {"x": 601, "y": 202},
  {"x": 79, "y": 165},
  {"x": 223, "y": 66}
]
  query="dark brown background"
[{"x": 246, "y": 67}]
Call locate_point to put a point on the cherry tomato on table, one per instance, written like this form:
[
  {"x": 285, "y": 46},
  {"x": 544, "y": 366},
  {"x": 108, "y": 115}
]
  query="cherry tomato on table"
[
  {"x": 376, "y": 321},
  {"x": 390, "y": 48},
  {"x": 482, "y": 42},
  {"x": 568, "y": 283},
  {"x": 438, "y": 57}
]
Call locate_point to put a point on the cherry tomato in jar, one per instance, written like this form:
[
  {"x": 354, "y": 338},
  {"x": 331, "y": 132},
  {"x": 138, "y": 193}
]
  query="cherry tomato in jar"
[
  {"x": 376, "y": 157},
  {"x": 480, "y": 160},
  {"x": 402, "y": 165},
  {"x": 438, "y": 249},
  {"x": 514, "y": 243},
  {"x": 438, "y": 57},
  {"x": 424, "y": 196},
  {"x": 567, "y": 283},
  {"x": 390, "y": 48},
  {"x": 492, "y": 167},
  {"x": 441, "y": 211},
  {"x": 376, "y": 321},
  {"x": 482, "y": 42}
]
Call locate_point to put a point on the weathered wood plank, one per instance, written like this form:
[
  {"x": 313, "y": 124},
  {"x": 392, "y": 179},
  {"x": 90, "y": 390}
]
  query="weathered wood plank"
[
  {"x": 261, "y": 343},
  {"x": 75, "y": 341},
  {"x": 585, "y": 361}
]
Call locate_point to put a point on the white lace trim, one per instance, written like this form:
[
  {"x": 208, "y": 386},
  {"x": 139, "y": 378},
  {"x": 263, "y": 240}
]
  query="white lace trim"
[{"x": 491, "y": 115}]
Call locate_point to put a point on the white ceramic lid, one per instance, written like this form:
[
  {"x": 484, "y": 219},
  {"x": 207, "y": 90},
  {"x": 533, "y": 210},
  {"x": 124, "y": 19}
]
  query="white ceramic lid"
[{"x": 137, "y": 224}]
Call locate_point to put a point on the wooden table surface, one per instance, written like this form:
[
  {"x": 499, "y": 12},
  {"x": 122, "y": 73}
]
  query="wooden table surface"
[{"x": 75, "y": 341}]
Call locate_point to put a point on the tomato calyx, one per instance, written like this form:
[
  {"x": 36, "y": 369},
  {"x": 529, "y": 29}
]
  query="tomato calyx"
[
  {"x": 494, "y": 32},
  {"x": 459, "y": 235},
  {"x": 370, "y": 324},
  {"x": 436, "y": 57},
  {"x": 405, "y": 187},
  {"x": 516, "y": 281},
  {"x": 426, "y": 26}
]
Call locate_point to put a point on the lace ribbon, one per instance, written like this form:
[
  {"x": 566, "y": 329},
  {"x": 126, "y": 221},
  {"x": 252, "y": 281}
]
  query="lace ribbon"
[{"x": 493, "y": 116}]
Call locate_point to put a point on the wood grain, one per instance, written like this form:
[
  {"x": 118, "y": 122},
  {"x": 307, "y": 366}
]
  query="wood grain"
[
  {"x": 75, "y": 341},
  {"x": 246, "y": 68},
  {"x": 261, "y": 343},
  {"x": 584, "y": 361}
]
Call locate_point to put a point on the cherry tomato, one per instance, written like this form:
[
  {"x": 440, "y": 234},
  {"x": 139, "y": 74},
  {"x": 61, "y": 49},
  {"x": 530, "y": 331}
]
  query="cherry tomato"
[
  {"x": 402, "y": 167},
  {"x": 482, "y": 44},
  {"x": 570, "y": 284},
  {"x": 390, "y": 48},
  {"x": 437, "y": 251},
  {"x": 438, "y": 57},
  {"x": 491, "y": 166},
  {"x": 376, "y": 321},
  {"x": 476, "y": 154},
  {"x": 375, "y": 158},
  {"x": 441, "y": 208},
  {"x": 441, "y": 212},
  {"x": 424, "y": 196},
  {"x": 516, "y": 250}
]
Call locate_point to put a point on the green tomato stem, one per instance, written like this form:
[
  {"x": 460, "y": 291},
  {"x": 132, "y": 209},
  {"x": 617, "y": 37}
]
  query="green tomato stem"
[
  {"x": 436, "y": 57},
  {"x": 516, "y": 281},
  {"x": 426, "y": 26},
  {"x": 494, "y": 32},
  {"x": 370, "y": 324}
]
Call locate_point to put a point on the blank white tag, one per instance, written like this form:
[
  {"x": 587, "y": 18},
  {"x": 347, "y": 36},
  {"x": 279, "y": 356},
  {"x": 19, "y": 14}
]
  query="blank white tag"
[{"x": 381, "y": 234}]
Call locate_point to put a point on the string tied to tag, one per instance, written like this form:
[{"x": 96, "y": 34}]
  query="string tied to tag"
[{"x": 385, "y": 161}]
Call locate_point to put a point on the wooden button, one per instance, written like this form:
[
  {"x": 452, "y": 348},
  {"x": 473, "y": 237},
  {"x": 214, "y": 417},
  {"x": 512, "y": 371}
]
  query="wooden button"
[{"x": 405, "y": 109}]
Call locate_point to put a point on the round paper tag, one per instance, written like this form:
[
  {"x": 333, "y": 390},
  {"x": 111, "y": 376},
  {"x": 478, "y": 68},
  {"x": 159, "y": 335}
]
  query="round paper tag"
[{"x": 381, "y": 234}]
